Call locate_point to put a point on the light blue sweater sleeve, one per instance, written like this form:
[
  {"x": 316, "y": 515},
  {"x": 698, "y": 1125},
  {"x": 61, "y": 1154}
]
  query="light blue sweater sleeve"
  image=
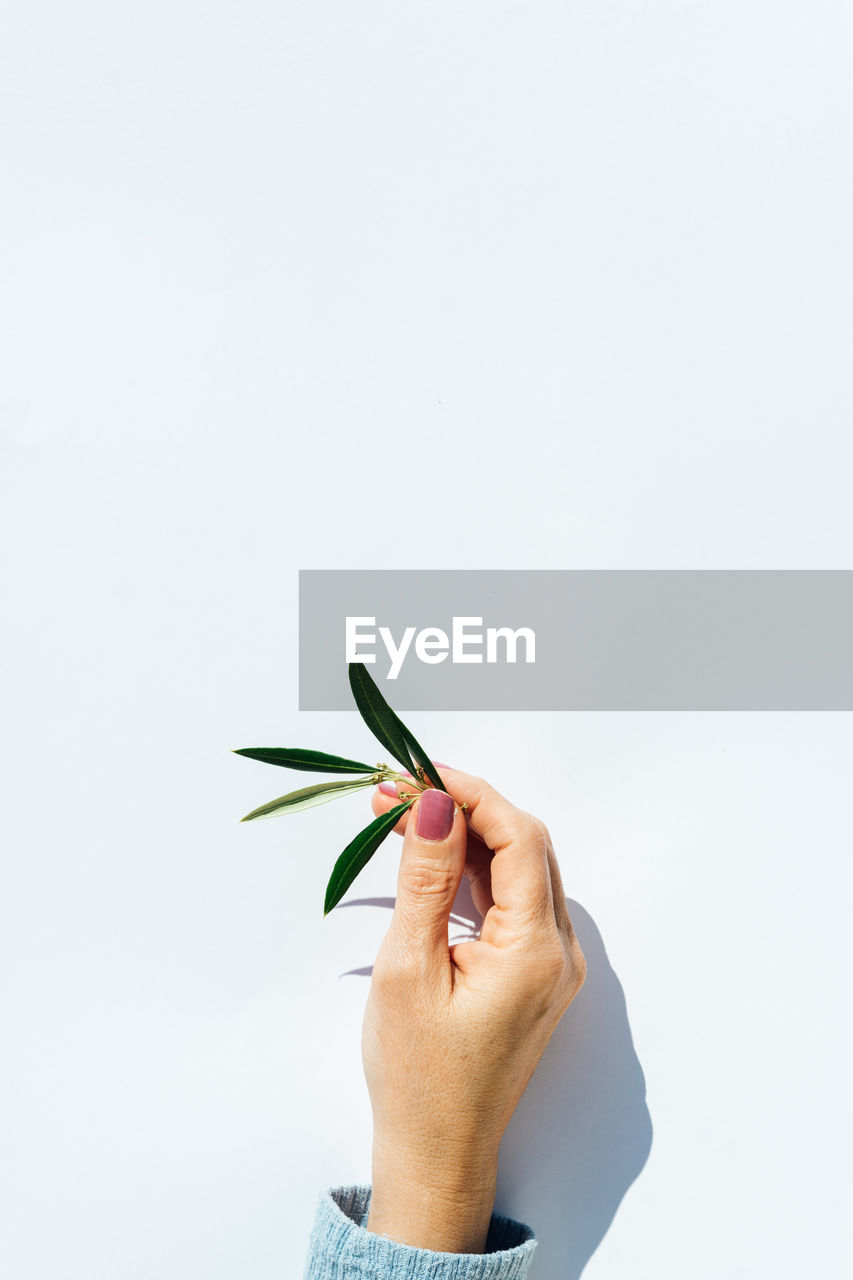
[{"x": 342, "y": 1249}]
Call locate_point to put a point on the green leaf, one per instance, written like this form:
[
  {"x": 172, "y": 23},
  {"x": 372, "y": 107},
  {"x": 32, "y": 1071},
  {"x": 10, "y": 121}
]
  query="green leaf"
[
  {"x": 387, "y": 726},
  {"x": 302, "y": 758},
  {"x": 421, "y": 758},
  {"x": 358, "y": 853},
  {"x": 377, "y": 715},
  {"x": 307, "y": 797}
]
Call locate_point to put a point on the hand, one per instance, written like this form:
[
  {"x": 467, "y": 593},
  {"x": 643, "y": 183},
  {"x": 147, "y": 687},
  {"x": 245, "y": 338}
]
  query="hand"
[{"x": 453, "y": 1034}]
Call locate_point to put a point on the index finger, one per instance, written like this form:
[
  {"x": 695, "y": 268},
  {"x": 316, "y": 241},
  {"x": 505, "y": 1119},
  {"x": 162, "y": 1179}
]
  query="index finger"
[{"x": 520, "y": 871}]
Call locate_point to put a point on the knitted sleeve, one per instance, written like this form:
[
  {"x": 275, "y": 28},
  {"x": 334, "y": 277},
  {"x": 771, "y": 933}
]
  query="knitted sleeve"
[{"x": 342, "y": 1249}]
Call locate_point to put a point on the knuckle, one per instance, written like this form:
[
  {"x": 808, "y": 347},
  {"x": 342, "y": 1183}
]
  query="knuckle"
[
  {"x": 533, "y": 831},
  {"x": 548, "y": 967},
  {"x": 580, "y": 962},
  {"x": 560, "y": 971},
  {"x": 577, "y": 966},
  {"x": 541, "y": 829},
  {"x": 426, "y": 880},
  {"x": 554, "y": 964}
]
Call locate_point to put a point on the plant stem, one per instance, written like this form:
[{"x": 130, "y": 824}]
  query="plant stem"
[{"x": 415, "y": 783}]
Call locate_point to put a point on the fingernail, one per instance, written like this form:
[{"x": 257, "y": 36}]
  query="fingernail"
[
  {"x": 435, "y": 815},
  {"x": 388, "y": 788}
]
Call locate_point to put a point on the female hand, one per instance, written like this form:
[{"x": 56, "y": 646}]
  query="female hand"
[{"x": 452, "y": 1034}]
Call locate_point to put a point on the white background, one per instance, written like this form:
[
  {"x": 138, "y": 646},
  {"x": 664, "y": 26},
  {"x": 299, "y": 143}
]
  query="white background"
[{"x": 329, "y": 285}]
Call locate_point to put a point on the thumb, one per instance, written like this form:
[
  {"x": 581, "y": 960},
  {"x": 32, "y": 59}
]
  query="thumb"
[{"x": 431, "y": 869}]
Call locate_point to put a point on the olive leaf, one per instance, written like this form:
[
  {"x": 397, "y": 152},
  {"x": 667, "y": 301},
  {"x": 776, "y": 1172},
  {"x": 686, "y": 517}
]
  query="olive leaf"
[
  {"x": 358, "y": 853},
  {"x": 394, "y": 736},
  {"x": 377, "y": 715},
  {"x": 302, "y": 758},
  {"x": 307, "y": 797},
  {"x": 387, "y": 726},
  {"x": 422, "y": 759}
]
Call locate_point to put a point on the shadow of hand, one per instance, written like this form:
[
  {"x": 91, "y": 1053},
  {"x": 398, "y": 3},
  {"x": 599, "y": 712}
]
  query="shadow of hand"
[{"x": 582, "y": 1131}]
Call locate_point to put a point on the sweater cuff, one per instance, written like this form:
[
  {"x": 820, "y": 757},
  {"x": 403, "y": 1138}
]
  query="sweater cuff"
[{"x": 342, "y": 1249}]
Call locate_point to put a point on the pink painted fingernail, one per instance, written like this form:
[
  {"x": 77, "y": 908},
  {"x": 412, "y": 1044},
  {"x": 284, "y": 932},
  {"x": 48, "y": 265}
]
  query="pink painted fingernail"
[
  {"x": 435, "y": 815},
  {"x": 388, "y": 788}
]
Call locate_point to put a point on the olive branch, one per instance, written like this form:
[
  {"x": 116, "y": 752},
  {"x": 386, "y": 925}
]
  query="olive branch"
[{"x": 397, "y": 739}]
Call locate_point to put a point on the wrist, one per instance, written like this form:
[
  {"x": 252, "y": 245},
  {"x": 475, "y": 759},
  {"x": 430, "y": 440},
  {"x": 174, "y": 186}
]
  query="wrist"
[{"x": 442, "y": 1205}]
